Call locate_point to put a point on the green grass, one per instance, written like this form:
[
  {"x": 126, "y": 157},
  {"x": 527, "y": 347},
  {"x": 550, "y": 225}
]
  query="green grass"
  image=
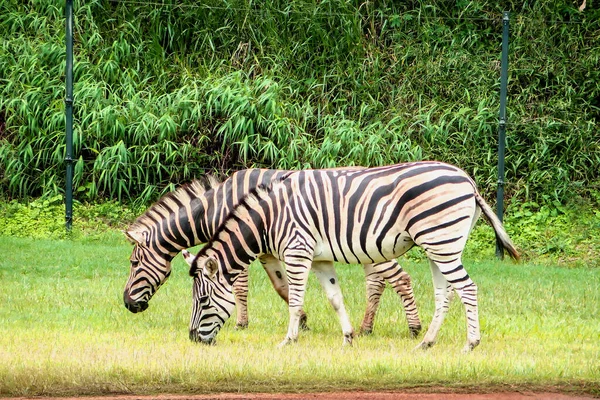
[{"x": 64, "y": 331}]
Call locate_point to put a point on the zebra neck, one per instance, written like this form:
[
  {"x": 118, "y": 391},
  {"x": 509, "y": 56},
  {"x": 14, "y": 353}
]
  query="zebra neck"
[
  {"x": 237, "y": 245},
  {"x": 165, "y": 248},
  {"x": 192, "y": 224},
  {"x": 207, "y": 213},
  {"x": 230, "y": 265}
]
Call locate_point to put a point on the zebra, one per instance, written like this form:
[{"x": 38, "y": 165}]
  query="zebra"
[
  {"x": 310, "y": 220},
  {"x": 190, "y": 215}
]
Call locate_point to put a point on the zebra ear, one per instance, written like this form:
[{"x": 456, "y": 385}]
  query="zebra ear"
[
  {"x": 210, "y": 267},
  {"x": 134, "y": 237},
  {"x": 188, "y": 257}
]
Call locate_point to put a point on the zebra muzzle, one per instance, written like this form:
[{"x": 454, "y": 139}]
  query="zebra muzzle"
[
  {"x": 132, "y": 305},
  {"x": 195, "y": 336},
  {"x": 136, "y": 307}
]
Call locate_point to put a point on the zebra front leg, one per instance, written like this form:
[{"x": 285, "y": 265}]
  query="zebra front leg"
[
  {"x": 325, "y": 271},
  {"x": 240, "y": 292},
  {"x": 278, "y": 277},
  {"x": 443, "y": 295},
  {"x": 375, "y": 286},
  {"x": 297, "y": 275}
]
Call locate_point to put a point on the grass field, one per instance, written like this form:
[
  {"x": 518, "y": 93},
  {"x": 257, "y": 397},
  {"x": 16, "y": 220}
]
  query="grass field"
[{"x": 64, "y": 331}]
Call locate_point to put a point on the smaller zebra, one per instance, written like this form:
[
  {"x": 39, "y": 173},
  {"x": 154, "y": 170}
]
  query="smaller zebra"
[{"x": 372, "y": 215}]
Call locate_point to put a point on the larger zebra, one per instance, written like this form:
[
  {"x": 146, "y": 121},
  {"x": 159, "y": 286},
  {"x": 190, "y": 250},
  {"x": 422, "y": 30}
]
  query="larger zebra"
[
  {"x": 191, "y": 214},
  {"x": 364, "y": 216}
]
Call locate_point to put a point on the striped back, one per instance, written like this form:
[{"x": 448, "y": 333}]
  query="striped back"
[{"x": 363, "y": 216}]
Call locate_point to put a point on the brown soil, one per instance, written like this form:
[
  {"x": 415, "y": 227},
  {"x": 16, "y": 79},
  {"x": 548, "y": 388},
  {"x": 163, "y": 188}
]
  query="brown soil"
[{"x": 337, "y": 396}]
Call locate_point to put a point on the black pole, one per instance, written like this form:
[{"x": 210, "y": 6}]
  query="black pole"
[
  {"x": 502, "y": 125},
  {"x": 69, "y": 116}
]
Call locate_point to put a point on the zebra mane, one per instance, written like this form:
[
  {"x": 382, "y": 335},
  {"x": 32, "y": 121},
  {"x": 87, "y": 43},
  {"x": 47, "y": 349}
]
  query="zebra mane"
[
  {"x": 250, "y": 200},
  {"x": 183, "y": 193},
  {"x": 247, "y": 202}
]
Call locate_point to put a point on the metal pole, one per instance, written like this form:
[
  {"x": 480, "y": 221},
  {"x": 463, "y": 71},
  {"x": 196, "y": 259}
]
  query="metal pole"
[
  {"x": 502, "y": 125},
  {"x": 69, "y": 116}
]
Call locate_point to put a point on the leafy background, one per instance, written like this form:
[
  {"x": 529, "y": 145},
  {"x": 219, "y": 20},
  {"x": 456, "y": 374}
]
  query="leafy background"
[{"x": 169, "y": 90}]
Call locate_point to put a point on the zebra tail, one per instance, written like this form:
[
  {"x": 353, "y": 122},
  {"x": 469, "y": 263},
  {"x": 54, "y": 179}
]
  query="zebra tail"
[{"x": 502, "y": 238}]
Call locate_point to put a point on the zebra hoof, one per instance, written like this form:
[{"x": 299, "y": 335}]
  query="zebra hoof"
[
  {"x": 240, "y": 326},
  {"x": 303, "y": 323},
  {"x": 366, "y": 331},
  {"x": 424, "y": 345},
  {"x": 414, "y": 331},
  {"x": 348, "y": 339},
  {"x": 286, "y": 342},
  {"x": 470, "y": 346}
]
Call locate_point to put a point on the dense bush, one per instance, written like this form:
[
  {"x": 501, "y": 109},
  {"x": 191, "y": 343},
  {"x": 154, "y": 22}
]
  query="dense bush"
[
  {"x": 45, "y": 218},
  {"x": 167, "y": 92}
]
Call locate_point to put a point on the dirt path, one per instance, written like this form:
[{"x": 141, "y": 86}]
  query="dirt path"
[{"x": 337, "y": 396}]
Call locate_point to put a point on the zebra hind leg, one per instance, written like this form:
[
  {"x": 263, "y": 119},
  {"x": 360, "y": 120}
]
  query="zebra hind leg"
[
  {"x": 454, "y": 276},
  {"x": 466, "y": 289},
  {"x": 443, "y": 295}
]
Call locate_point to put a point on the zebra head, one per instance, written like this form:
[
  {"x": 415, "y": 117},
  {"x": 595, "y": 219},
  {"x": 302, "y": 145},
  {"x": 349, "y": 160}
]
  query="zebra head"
[
  {"x": 212, "y": 298},
  {"x": 149, "y": 269}
]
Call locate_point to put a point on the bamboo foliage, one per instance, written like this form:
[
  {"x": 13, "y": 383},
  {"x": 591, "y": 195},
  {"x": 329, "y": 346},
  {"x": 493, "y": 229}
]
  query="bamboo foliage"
[{"x": 167, "y": 92}]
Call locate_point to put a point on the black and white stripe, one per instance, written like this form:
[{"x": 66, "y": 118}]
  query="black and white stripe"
[
  {"x": 365, "y": 216},
  {"x": 191, "y": 214}
]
